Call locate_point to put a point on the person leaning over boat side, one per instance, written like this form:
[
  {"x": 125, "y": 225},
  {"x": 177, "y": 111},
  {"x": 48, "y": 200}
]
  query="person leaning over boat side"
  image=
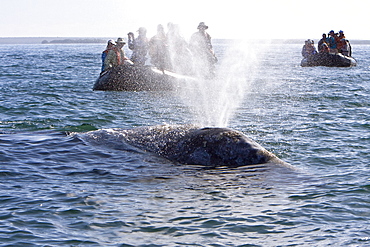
[
  {"x": 110, "y": 45},
  {"x": 139, "y": 46},
  {"x": 116, "y": 56},
  {"x": 202, "y": 51}
]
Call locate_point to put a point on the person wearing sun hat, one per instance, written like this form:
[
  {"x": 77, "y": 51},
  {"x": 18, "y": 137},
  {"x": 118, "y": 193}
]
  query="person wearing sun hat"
[
  {"x": 116, "y": 56},
  {"x": 139, "y": 46},
  {"x": 110, "y": 45},
  {"x": 202, "y": 51}
]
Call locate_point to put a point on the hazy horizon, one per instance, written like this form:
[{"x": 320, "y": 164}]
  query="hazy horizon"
[{"x": 39, "y": 40}]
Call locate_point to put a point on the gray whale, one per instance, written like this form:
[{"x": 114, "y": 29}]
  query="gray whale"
[{"x": 188, "y": 144}]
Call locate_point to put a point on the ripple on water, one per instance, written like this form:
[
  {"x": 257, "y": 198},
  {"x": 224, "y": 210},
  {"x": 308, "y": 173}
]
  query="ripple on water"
[{"x": 58, "y": 190}]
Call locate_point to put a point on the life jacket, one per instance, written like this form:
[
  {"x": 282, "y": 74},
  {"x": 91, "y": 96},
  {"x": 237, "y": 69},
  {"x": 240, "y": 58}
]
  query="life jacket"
[{"x": 118, "y": 55}]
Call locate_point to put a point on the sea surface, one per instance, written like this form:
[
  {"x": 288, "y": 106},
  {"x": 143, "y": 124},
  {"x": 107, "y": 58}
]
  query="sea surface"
[{"x": 60, "y": 189}]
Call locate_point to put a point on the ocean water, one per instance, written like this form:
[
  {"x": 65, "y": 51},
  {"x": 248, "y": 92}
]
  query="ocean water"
[{"x": 59, "y": 189}]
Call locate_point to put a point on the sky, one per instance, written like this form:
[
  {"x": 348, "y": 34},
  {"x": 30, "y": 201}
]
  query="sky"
[{"x": 245, "y": 19}]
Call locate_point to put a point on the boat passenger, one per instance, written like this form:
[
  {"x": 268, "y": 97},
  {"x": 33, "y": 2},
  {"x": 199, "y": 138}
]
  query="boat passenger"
[
  {"x": 179, "y": 52},
  {"x": 116, "y": 56},
  {"x": 308, "y": 49},
  {"x": 325, "y": 48},
  {"x": 110, "y": 45},
  {"x": 332, "y": 42},
  {"x": 170, "y": 29},
  {"x": 158, "y": 49},
  {"x": 202, "y": 51},
  {"x": 139, "y": 46},
  {"x": 321, "y": 42},
  {"x": 340, "y": 42},
  {"x": 345, "y": 48},
  {"x": 341, "y": 35}
]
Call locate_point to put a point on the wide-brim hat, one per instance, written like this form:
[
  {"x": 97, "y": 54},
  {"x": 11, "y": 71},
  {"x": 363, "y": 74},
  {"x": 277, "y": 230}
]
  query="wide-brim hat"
[
  {"x": 142, "y": 30},
  {"x": 120, "y": 41},
  {"x": 202, "y": 25}
]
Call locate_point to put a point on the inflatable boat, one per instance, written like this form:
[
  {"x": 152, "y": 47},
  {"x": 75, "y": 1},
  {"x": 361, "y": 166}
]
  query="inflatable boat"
[
  {"x": 129, "y": 77},
  {"x": 329, "y": 60}
]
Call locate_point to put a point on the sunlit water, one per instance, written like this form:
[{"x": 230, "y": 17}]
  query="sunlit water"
[{"x": 60, "y": 190}]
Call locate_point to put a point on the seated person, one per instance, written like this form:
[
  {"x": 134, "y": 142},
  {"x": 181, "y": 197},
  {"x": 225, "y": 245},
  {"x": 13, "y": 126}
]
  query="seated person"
[
  {"x": 345, "y": 47},
  {"x": 324, "y": 48},
  {"x": 116, "y": 56},
  {"x": 308, "y": 49},
  {"x": 331, "y": 40},
  {"x": 110, "y": 46},
  {"x": 321, "y": 42}
]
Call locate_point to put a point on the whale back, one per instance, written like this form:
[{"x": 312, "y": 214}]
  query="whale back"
[
  {"x": 219, "y": 147},
  {"x": 189, "y": 144},
  {"x": 212, "y": 147}
]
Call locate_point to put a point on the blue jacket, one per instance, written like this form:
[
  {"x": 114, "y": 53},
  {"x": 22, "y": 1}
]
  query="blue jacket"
[
  {"x": 103, "y": 56},
  {"x": 331, "y": 42}
]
